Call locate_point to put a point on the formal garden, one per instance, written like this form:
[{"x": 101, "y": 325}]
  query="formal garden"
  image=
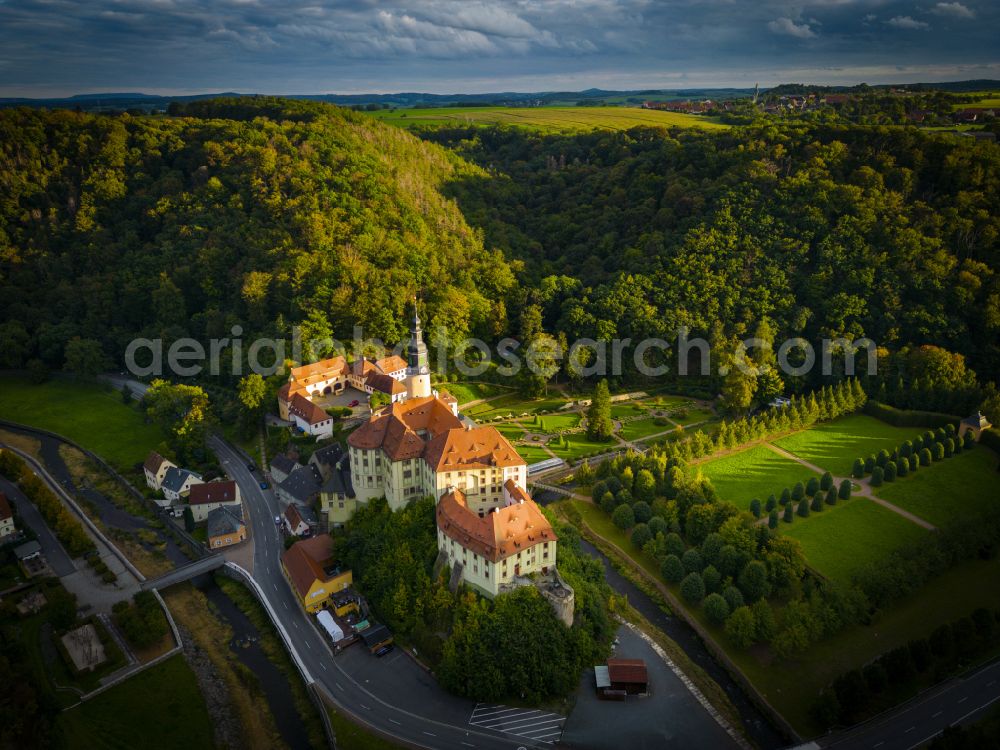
[{"x": 783, "y": 562}]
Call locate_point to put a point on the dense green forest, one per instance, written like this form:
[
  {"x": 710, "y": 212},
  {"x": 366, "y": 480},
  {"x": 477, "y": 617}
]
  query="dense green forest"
[{"x": 267, "y": 212}]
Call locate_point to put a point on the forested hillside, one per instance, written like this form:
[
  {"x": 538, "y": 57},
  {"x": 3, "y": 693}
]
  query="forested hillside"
[
  {"x": 269, "y": 212},
  {"x": 113, "y": 227},
  {"x": 828, "y": 231}
]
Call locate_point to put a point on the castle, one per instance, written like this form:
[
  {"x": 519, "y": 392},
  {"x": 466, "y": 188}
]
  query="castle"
[{"x": 491, "y": 534}]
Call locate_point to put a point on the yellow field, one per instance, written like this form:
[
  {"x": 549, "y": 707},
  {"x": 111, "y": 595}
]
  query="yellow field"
[{"x": 547, "y": 119}]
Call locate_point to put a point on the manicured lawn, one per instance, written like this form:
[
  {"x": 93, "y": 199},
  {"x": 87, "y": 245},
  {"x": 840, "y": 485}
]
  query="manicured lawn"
[
  {"x": 692, "y": 416},
  {"x": 835, "y": 445},
  {"x": 628, "y": 409},
  {"x": 466, "y": 392},
  {"x": 94, "y": 417},
  {"x": 532, "y": 454},
  {"x": 554, "y": 422},
  {"x": 755, "y": 472},
  {"x": 579, "y": 446},
  {"x": 963, "y": 484},
  {"x": 160, "y": 707},
  {"x": 513, "y": 405},
  {"x": 510, "y": 431},
  {"x": 640, "y": 428},
  {"x": 840, "y": 540}
]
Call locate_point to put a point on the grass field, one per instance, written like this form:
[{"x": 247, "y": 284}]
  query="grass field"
[
  {"x": 127, "y": 715},
  {"x": 513, "y": 404},
  {"x": 532, "y": 454},
  {"x": 554, "y": 422},
  {"x": 962, "y": 484},
  {"x": 546, "y": 119},
  {"x": 579, "y": 446},
  {"x": 641, "y": 428},
  {"x": 756, "y": 472},
  {"x": 466, "y": 392},
  {"x": 95, "y": 418},
  {"x": 839, "y": 540},
  {"x": 692, "y": 416},
  {"x": 628, "y": 409},
  {"x": 835, "y": 445}
]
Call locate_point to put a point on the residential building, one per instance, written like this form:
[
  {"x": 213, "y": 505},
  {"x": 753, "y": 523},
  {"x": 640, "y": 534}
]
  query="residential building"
[
  {"x": 225, "y": 526},
  {"x": 7, "y": 528},
  {"x": 301, "y": 487},
  {"x": 491, "y": 550},
  {"x": 974, "y": 424},
  {"x": 155, "y": 469},
  {"x": 294, "y": 522},
  {"x": 177, "y": 484},
  {"x": 206, "y": 497},
  {"x": 281, "y": 466},
  {"x": 337, "y": 501},
  {"x": 312, "y": 572},
  {"x": 309, "y": 418}
]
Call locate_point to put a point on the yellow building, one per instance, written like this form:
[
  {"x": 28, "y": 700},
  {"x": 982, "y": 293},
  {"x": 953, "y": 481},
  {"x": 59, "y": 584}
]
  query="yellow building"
[{"x": 310, "y": 569}]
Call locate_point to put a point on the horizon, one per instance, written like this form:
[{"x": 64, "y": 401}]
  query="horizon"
[{"x": 192, "y": 47}]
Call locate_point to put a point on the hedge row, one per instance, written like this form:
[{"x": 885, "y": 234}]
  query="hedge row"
[{"x": 909, "y": 417}]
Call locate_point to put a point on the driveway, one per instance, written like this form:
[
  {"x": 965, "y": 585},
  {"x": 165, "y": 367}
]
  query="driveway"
[{"x": 670, "y": 717}]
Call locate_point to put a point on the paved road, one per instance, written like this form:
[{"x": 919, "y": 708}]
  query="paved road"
[
  {"x": 393, "y": 694},
  {"x": 958, "y": 701},
  {"x": 58, "y": 559}
]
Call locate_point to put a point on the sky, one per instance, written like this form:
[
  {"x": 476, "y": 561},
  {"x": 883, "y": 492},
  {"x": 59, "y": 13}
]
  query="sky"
[{"x": 62, "y": 47}]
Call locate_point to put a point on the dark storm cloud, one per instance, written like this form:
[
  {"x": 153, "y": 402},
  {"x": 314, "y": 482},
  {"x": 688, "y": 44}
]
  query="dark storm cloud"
[{"x": 57, "y": 47}]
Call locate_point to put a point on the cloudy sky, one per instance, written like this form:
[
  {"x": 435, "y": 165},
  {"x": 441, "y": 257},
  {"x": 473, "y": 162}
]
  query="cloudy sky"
[{"x": 59, "y": 47}]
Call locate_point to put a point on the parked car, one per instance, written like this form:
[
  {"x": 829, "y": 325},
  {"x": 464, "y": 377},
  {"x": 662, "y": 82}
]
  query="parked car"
[
  {"x": 251, "y": 467},
  {"x": 384, "y": 650},
  {"x": 277, "y": 520},
  {"x": 354, "y": 403},
  {"x": 264, "y": 485}
]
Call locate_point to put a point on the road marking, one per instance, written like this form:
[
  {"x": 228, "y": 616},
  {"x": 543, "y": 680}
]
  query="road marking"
[
  {"x": 959, "y": 720},
  {"x": 286, "y": 604},
  {"x": 430, "y": 734},
  {"x": 468, "y": 744},
  {"x": 963, "y": 700},
  {"x": 935, "y": 715},
  {"x": 323, "y": 664},
  {"x": 991, "y": 683},
  {"x": 339, "y": 686},
  {"x": 366, "y": 708},
  {"x": 308, "y": 646},
  {"x": 880, "y": 742},
  {"x": 395, "y": 722}
]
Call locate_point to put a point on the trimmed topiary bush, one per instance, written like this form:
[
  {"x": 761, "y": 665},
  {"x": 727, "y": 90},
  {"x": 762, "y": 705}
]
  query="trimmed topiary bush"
[
  {"x": 771, "y": 504},
  {"x": 789, "y": 514},
  {"x": 817, "y": 502},
  {"x": 878, "y": 476},
  {"x": 831, "y": 496},
  {"x": 925, "y": 457},
  {"x": 772, "y": 519},
  {"x": 859, "y": 469},
  {"x": 902, "y": 467},
  {"x": 812, "y": 486},
  {"x": 844, "y": 493},
  {"x": 890, "y": 471},
  {"x": 755, "y": 507},
  {"x": 786, "y": 496},
  {"x": 803, "y": 509},
  {"x": 798, "y": 491},
  {"x": 826, "y": 481}
]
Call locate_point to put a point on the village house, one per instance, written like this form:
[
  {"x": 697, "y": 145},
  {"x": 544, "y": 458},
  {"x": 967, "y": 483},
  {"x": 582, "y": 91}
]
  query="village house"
[
  {"x": 281, "y": 466},
  {"x": 313, "y": 574},
  {"x": 337, "y": 501},
  {"x": 295, "y": 523},
  {"x": 155, "y": 468},
  {"x": 309, "y": 418},
  {"x": 7, "y": 528},
  {"x": 177, "y": 484},
  {"x": 301, "y": 487},
  {"x": 225, "y": 526},
  {"x": 206, "y": 497}
]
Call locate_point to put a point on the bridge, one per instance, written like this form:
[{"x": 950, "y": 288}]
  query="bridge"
[
  {"x": 184, "y": 572},
  {"x": 552, "y": 488}
]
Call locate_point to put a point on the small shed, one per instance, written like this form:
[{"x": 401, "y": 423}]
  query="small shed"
[
  {"x": 375, "y": 637},
  {"x": 628, "y": 675},
  {"x": 974, "y": 424}
]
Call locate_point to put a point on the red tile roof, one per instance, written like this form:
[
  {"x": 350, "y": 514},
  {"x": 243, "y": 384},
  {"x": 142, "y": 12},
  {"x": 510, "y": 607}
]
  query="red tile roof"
[
  {"x": 153, "y": 462},
  {"x": 213, "y": 492},
  {"x": 317, "y": 372},
  {"x": 302, "y": 407},
  {"x": 627, "y": 670},
  {"x": 473, "y": 448},
  {"x": 402, "y": 429},
  {"x": 304, "y": 561},
  {"x": 499, "y": 534},
  {"x": 392, "y": 363}
]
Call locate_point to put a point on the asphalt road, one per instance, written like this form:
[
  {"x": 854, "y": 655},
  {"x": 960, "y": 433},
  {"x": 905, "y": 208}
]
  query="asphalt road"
[
  {"x": 393, "y": 694},
  {"x": 959, "y": 701},
  {"x": 57, "y": 557}
]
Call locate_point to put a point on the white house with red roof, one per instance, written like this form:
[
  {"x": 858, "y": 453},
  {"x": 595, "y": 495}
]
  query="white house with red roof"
[{"x": 205, "y": 497}]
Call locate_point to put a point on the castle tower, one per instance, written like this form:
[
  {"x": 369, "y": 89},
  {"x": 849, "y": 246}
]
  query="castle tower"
[{"x": 418, "y": 373}]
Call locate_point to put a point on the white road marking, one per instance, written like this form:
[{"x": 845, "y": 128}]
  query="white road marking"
[
  {"x": 880, "y": 742},
  {"x": 935, "y": 715},
  {"x": 339, "y": 686},
  {"x": 395, "y": 722},
  {"x": 468, "y": 744},
  {"x": 909, "y": 730},
  {"x": 963, "y": 700},
  {"x": 430, "y": 734},
  {"x": 366, "y": 708},
  {"x": 308, "y": 646},
  {"x": 323, "y": 664}
]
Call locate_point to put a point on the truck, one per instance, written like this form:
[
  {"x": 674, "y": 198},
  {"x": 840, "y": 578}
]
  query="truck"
[{"x": 330, "y": 625}]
